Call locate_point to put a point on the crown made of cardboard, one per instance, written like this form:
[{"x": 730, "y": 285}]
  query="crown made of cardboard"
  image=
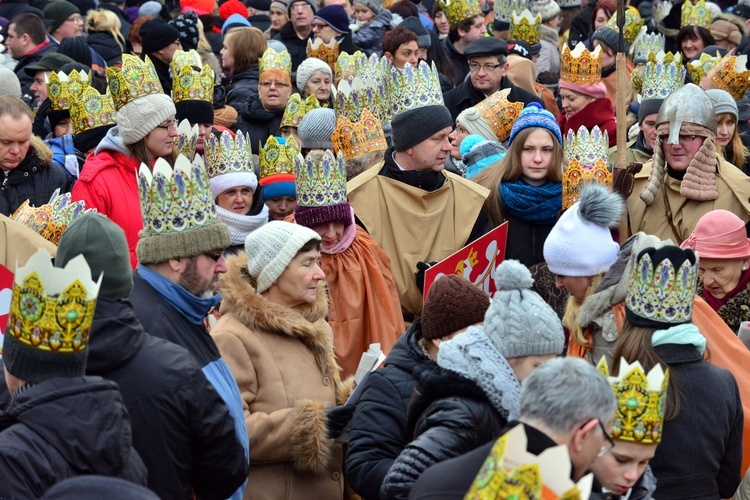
[
  {"x": 187, "y": 142},
  {"x": 632, "y": 25},
  {"x": 356, "y": 138},
  {"x": 412, "y": 88},
  {"x": 641, "y": 399},
  {"x": 92, "y": 110},
  {"x": 526, "y": 27},
  {"x": 228, "y": 155},
  {"x": 660, "y": 9},
  {"x": 51, "y": 308},
  {"x": 500, "y": 113},
  {"x": 175, "y": 199},
  {"x": 296, "y": 109},
  {"x": 357, "y": 94},
  {"x": 580, "y": 65},
  {"x": 51, "y": 219},
  {"x": 698, "y": 68},
  {"x": 64, "y": 89},
  {"x": 321, "y": 181},
  {"x": 511, "y": 472},
  {"x": 458, "y": 10},
  {"x": 695, "y": 15},
  {"x": 326, "y": 52},
  {"x": 731, "y": 74},
  {"x": 644, "y": 44},
  {"x": 664, "y": 73},
  {"x": 587, "y": 154},
  {"x": 275, "y": 158},
  {"x": 135, "y": 78},
  {"x": 191, "y": 79},
  {"x": 275, "y": 60},
  {"x": 504, "y": 9},
  {"x": 347, "y": 65}
]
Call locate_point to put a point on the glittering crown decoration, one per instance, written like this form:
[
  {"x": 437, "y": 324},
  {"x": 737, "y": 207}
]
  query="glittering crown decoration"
[
  {"x": 695, "y": 15},
  {"x": 51, "y": 309},
  {"x": 581, "y": 65},
  {"x": 92, "y": 110},
  {"x": 348, "y": 65},
  {"x": 356, "y": 138},
  {"x": 500, "y": 113},
  {"x": 700, "y": 67},
  {"x": 640, "y": 401},
  {"x": 664, "y": 73},
  {"x": 326, "y": 52},
  {"x": 226, "y": 154},
  {"x": 296, "y": 109},
  {"x": 357, "y": 94},
  {"x": 321, "y": 182},
  {"x": 659, "y": 10},
  {"x": 136, "y": 78},
  {"x": 276, "y": 60},
  {"x": 191, "y": 79},
  {"x": 458, "y": 10},
  {"x": 63, "y": 89},
  {"x": 187, "y": 141},
  {"x": 277, "y": 158},
  {"x": 175, "y": 199},
  {"x": 526, "y": 27},
  {"x": 504, "y": 9},
  {"x": 632, "y": 25},
  {"x": 52, "y": 218},
  {"x": 413, "y": 88},
  {"x": 587, "y": 154},
  {"x": 644, "y": 44},
  {"x": 731, "y": 74}
]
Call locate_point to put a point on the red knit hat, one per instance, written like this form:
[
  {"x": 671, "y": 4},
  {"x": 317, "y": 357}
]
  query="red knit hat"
[
  {"x": 232, "y": 7},
  {"x": 201, "y": 7}
]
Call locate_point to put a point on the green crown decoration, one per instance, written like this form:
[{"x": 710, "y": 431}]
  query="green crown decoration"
[
  {"x": 458, "y": 10},
  {"x": 296, "y": 109},
  {"x": 276, "y": 60},
  {"x": 187, "y": 142},
  {"x": 136, "y": 78},
  {"x": 191, "y": 79},
  {"x": 348, "y": 65},
  {"x": 632, "y": 25},
  {"x": 92, "y": 110},
  {"x": 526, "y": 27},
  {"x": 695, "y": 15},
  {"x": 275, "y": 158},
  {"x": 226, "y": 154},
  {"x": 664, "y": 74},
  {"x": 644, "y": 44},
  {"x": 322, "y": 182},
  {"x": 698, "y": 68},
  {"x": 64, "y": 90},
  {"x": 413, "y": 88}
]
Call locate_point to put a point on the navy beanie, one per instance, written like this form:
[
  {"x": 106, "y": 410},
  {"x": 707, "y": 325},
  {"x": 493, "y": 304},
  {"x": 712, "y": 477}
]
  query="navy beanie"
[{"x": 335, "y": 17}]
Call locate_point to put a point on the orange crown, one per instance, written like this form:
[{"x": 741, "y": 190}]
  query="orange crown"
[
  {"x": 354, "y": 139},
  {"x": 581, "y": 66}
]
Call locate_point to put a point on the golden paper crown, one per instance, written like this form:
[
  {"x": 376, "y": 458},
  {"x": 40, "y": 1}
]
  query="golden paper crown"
[
  {"x": 136, "y": 78},
  {"x": 92, "y": 110},
  {"x": 348, "y": 65},
  {"x": 413, "y": 88},
  {"x": 320, "y": 182},
  {"x": 631, "y": 27},
  {"x": 52, "y": 218},
  {"x": 640, "y": 402},
  {"x": 588, "y": 155},
  {"x": 695, "y": 15},
  {"x": 187, "y": 141},
  {"x": 458, "y": 10},
  {"x": 277, "y": 158},
  {"x": 664, "y": 73},
  {"x": 326, "y": 52},
  {"x": 644, "y": 44},
  {"x": 500, "y": 113},
  {"x": 503, "y": 9},
  {"x": 526, "y": 27},
  {"x": 581, "y": 66},
  {"x": 276, "y": 60},
  {"x": 700, "y": 67},
  {"x": 189, "y": 83},
  {"x": 63, "y": 90},
  {"x": 51, "y": 309},
  {"x": 354, "y": 139},
  {"x": 731, "y": 74},
  {"x": 226, "y": 155},
  {"x": 296, "y": 109}
]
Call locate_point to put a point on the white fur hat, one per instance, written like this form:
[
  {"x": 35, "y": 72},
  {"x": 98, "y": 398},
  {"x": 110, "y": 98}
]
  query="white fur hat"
[{"x": 139, "y": 117}]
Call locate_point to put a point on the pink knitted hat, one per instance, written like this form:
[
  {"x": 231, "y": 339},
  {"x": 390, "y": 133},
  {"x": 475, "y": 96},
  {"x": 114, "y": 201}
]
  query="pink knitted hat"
[
  {"x": 719, "y": 235},
  {"x": 596, "y": 90}
]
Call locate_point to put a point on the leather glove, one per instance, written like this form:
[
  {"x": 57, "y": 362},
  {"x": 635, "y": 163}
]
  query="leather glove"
[
  {"x": 419, "y": 275},
  {"x": 624, "y": 179},
  {"x": 338, "y": 417}
]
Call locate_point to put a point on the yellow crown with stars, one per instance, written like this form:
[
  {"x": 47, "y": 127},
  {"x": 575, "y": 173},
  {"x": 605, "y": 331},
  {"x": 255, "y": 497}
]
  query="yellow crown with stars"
[
  {"x": 51, "y": 309},
  {"x": 326, "y": 52},
  {"x": 664, "y": 73},
  {"x": 641, "y": 399},
  {"x": 228, "y": 155},
  {"x": 321, "y": 181},
  {"x": 731, "y": 74},
  {"x": 587, "y": 154},
  {"x": 136, "y": 78},
  {"x": 356, "y": 138},
  {"x": 458, "y": 10},
  {"x": 695, "y": 15},
  {"x": 526, "y": 27},
  {"x": 632, "y": 25},
  {"x": 187, "y": 142},
  {"x": 63, "y": 90},
  {"x": 504, "y": 9},
  {"x": 580, "y": 65},
  {"x": 188, "y": 82},
  {"x": 275, "y": 158},
  {"x": 92, "y": 110},
  {"x": 296, "y": 109},
  {"x": 276, "y": 60},
  {"x": 51, "y": 219},
  {"x": 500, "y": 113},
  {"x": 412, "y": 88}
]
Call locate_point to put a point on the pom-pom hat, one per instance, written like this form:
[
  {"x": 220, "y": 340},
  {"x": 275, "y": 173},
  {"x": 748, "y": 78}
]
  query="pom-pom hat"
[{"x": 534, "y": 115}]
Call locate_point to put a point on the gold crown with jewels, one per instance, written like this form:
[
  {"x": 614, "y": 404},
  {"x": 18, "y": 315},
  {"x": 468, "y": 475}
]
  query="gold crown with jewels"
[
  {"x": 226, "y": 154},
  {"x": 632, "y": 25},
  {"x": 356, "y": 138},
  {"x": 136, "y": 78},
  {"x": 276, "y": 60},
  {"x": 275, "y": 158},
  {"x": 731, "y": 74},
  {"x": 587, "y": 154},
  {"x": 500, "y": 113},
  {"x": 296, "y": 109},
  {"x": 412, "y": 88},
  {"x": 51, "y": 219},
  {"x": 92, "y": 110},
  {"x": 526, "y": 27},
  {"x": 580, "y": 65},
  {"x": 700, "y": 67},
  {"x": 187, "y": 142},
  {"x": 320, "y": 181},
  {"x": 64, "y": 89},
  {"x": 326, "y": 52},
  {"x": 664, "y": 73},
  {"x": 188, "y": 82},
  {"x": 348, "y": 65},
  {"x": 695, "y": 15},
  {"x": 458, "y": 10}
]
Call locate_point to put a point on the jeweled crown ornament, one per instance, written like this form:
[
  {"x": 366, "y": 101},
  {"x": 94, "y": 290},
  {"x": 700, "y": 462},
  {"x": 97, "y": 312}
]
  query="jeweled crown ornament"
[
  {"x": 581, "y": 65},
  {"x": 632, "y": 26},
  {"x": 51, "y": 309},
  {"x": 175, "y": 199},
  {"x": 504, "y": 9},
  {"x": 276, "y": 60},
  {"x": 356, "y": 138},
  {"x": 644, "y": 44},
  {"x": 296, "y": 109},
  {"x": 326, "y": 52},
  {"x": 187, "y": 141},
  {"x": 695, "y": 15},
  {"x": 92, "y": 110},
  {"x": 348, "y": 65},
  {"x": 355, "y": 95},
  {"x": 664, "y": 73},
  {"x": 587, "y": 155},
  {"x": 500, "y": 113},
  {"x": 63, "y": 89},
  {"x": 458, "y": 10},
  {"x": 321, "y": 182},
  {"x": 731, "y": 74},
  {"x": 413, "y": 88},
  {"x": 52, "y": 218},
  {"x": 136, "y": 78},
  {"x": 277, "y": 158},
  {"x": 228, "y": 155},
  {"x": 700, "y": 67},
  {"x": 641, "y": 399},
  {"x": 526, "y": 27},
  {"x": 659, "y": 10},
  {"x": 191, "y": 79}
]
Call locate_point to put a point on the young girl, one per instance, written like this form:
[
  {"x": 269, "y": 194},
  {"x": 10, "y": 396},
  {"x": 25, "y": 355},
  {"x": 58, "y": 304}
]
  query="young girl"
[
  {"x": 727, "y": 133},
  {"x": 371, "y": 23}
]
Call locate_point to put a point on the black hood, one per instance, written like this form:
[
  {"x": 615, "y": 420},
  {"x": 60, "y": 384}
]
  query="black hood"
[{"x": 115, "y": 337}]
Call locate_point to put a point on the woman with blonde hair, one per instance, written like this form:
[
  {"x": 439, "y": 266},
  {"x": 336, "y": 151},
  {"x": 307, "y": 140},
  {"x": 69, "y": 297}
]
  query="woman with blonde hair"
[
  {"x": 727, "y": 130},
  {"x": 103, "y": 28},
  {"x": 243, "y": 48}
]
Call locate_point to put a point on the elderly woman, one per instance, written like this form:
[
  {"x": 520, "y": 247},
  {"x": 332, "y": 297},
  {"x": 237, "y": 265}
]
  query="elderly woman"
[
  {"x": 275, "y": 339},
  {"x": 314, "y": 77}
]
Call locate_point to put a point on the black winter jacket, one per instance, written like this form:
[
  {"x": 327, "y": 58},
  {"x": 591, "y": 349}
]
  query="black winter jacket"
[
  {"x": 458, "y": 61},
  {"x": 65, "y": 427},
  {"x": 257, "y": 122},
  {"x": 25, "y": 79},
  {"x": 179, "y": 421},
  {"x": 162, "y": 71},
  {"x": 465, "y": 96},
  {"x": 296, "y": 46},
  {"x": 525, "y": 240},
  {"x": 378, "y": 432},
  {"x": 244, "y": 84},
  {"x": 11, "y": 8},
  {"x": 106, "y": 46}
]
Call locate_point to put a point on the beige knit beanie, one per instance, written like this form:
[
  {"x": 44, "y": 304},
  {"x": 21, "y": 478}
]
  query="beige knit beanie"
[
  {"x": 139, "y": 117},
  {"x": 475, "y": 123}
]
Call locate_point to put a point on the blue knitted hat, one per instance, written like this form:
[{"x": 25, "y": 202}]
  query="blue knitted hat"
[
  {"x": 478, "y": 153},
  {"x": 534, "y": 115}
]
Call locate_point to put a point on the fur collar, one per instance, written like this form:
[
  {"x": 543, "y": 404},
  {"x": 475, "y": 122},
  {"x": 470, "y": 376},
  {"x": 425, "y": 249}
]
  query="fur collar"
[{"x": 43, "y": 152}]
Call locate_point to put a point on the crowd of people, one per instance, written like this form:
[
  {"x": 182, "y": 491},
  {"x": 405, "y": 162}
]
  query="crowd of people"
[{"x": 213, "y": 211}]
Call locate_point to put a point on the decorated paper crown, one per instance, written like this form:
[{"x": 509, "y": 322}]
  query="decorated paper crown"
[
  {"x": 644, "y": 44},
  {"x": 640, "y": 402},
  {"x": 189, "y": 84},
  {"x": 348, "y": 65},
  {"x": 458, "y": 10},
  {"x": 511, "y": 472},
  {"x": 175, "y": 200},
  {"x": 587, "y": 154},
  {"x": 228, "y": 155},
  {"x": 526, "y": 27},
  {"x": 731, "y": 74},
  {"x": 695, "y": 15},
  {"x": 660, "y": 9},
  {"x": 664, "y": 73},
  {"x": 580, "y": 65},
  {"x": 357, "y": 94},
  {"x": 504, "y": 9},
  {"x": 51, "y": 309},
  {"x": 92, "y": 110},
  {"x": 321, "y": 182},
  {"x": 187, "y": 142},
  {"x": 136, "y": 78},
  {"x": 631, "y": 27},
  {"x": 413, "y": 88},
  {"x": 64, "y": 90},
  {"x": 700, "y": 67},
  {"x": 354, "y": 139},
  {"x": 500, "y": 113},
  {"x": 276, "y": 60},
  {"x": 326, "y": 52},
  {"x": 51, "y": 219},
  {"x": 296, "y": 109},
  {"x": 277, "y": 159}
]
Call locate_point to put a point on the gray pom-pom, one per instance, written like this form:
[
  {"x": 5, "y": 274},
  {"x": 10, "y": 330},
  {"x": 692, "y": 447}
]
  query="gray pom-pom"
[
  {"x": 600, "y": 206},
  {"x": 512, "y": 275}
]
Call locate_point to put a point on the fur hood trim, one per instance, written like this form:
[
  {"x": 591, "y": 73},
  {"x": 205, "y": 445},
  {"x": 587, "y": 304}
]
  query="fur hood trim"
[{"x": 43, "y": 152}]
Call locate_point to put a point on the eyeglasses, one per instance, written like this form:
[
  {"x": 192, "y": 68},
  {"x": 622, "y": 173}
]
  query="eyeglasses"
[
  {"x": 319, "y": 26},
  {"x": 278, "y": 85},
  {"x": 488, "y": 68},
  {"x": 168, "y": 126},
  {"x": 606, "y": 447},
  {"x": 301, "y": 6},
  {"x": 75, "y": 20}
]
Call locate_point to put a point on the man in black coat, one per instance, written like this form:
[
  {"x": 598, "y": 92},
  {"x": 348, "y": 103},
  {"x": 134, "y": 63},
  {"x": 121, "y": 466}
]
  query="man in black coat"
[
  {"x": 488, "y": 67},
  {"x": 27, "y": 42},
  {"x": 160, "y": 41},
  {"x": 296, "y": 32},
  {"x": 461, "y": 34}
]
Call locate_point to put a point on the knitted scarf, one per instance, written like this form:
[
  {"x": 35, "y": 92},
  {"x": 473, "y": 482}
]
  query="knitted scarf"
[
  {"x": 242, "y": 225},
  {"x": 537, "y": 204},
  {"x": 685, "y": 334},
  {"x": 346, "y": 240}
]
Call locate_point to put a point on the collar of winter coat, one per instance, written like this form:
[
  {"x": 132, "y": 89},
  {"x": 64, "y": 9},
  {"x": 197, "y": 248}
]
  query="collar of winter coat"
[
  {"x": 257, "y": 113},
  {"x": 406, "y": 352},
  {"x": 549, "y": 34},
  {"x": 251, "y": 73},
  {"x": 428, "y": 180},
  {"x": 38, "y": 158},
  {"x": 115, "y": 337}
]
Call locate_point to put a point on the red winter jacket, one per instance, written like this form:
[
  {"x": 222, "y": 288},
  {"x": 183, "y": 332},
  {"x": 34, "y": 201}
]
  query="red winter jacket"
[{"x": 599, "y": 112}]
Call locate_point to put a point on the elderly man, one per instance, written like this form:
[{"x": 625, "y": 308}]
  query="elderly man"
[
  {"x": 551, "y": 415},
  {"x": 332, "y": 22},
  {"x": 294, "y": 34},
  {"x": 27, "y": 43}
]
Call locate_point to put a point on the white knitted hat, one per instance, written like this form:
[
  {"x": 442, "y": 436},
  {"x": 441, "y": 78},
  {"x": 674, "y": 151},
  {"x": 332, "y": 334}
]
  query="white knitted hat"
[
  {"x": 548, "y": 9},
  {"x": 474, "y": 122},
  {"x": 271, "y": 248},
  {"x": 222, "y": 182},
  {"x": 139, "y": 117},
  {"x": 9, "y": 84},
  {"x": 308, "y": 68}
]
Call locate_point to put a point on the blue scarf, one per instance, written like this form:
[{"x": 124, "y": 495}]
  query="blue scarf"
[
  {"x": 537, "y": 204},
  {"x": 192, "y": 307}
]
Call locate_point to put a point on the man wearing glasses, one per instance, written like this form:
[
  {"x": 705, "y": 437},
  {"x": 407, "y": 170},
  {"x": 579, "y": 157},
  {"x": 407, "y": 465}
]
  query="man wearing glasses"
[
  {"x": 64, "y": 20},
  {"x": 294, "y": 34}
]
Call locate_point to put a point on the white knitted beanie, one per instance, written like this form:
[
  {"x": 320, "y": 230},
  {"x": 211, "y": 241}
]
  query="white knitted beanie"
[
  {"x": 140, "y": 116},
  {"x": 222, "y": 182},
  {"x": 475, "y": 123},
  {"x": 548, "y": 9},
  {"x": 271, "y": 248},
  {"x": 308, "y": 68}
]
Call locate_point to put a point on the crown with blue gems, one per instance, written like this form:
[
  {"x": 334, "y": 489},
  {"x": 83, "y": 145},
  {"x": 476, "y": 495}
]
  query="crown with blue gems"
[
  {"x": 412, "y": 88},
  {"x": 695, "y": 15},
  {"x": 587, "y": 153},
  {"x": 189, "y": 83},
  {"x": 187, "y": 142},
  {"x": 296, "y": 109},
  {"x": 326, "y": 52},
  {"x": 641, "y": 399},
  {"x": 458, "y": 10},
  {"x": 64, "y": 89},
  {"x": 92, "y": 110},
  {"x": 227, "y": 155},
  {"x": 632, "y": 25},
  {"x": 504, "y": 9},
  {"x": 356, "y": 95},
  {"x": 664, "y": 73},
  {"x": 526, "y": 27},
  {"x": 356, "y": 138},
  {"x": 51, "y": 219},
  {"x": 276, "y": 60},
  {"x": 321, "y": 179},
  {"x": 136, "y": 78},
  {"x": 644, "y": 44},
  {"x": 276, "y": 158}
]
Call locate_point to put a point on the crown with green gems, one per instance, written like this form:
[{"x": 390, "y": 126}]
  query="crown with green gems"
[
  {"x": 348, "y": 65},
  {"x": 187, "y": 141},
  {"x": 504, "y": 9},
  {"x": 92, "y": 110},
  {"x": 458, "y": 10},
  {"x": 189, "y": 83},
  {"x": 64, "y": 89},
  {"x": 412, "y": 88},
  {"x": 275, "y": 158},
  {"x": 700, "y": 67},
  {"x": 51, "y": 219},
  {"x": 587, "y": 154},
  {"x": 526, "y": 27},
  {"x": 632, "y": 26},
  {"x": 296, "y": 109},
  {"x": 226, "y": 154},
  {"x": 664, "y": 73},
  {"x": 276, "y": 60},
  {"x": 695, "y": 15},
  {"x": 644, "y": 44},
  {"x": 320, "y": 182},
  {"x": 136, "y": 78}
]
